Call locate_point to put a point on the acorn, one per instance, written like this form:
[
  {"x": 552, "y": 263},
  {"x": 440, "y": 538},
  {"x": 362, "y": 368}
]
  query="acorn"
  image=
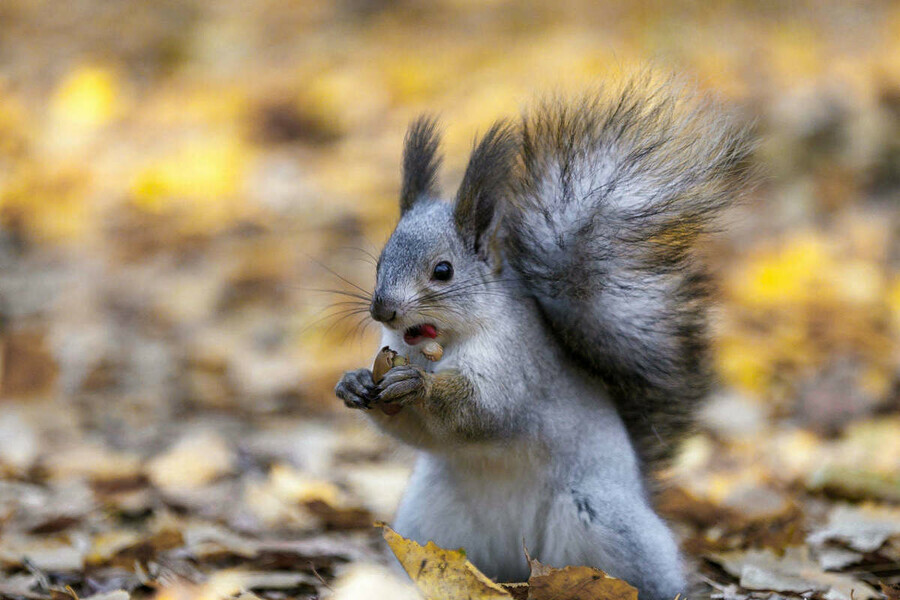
[
  {"x": 384, "y": 362},
  {"x": 432, "y": 351}
]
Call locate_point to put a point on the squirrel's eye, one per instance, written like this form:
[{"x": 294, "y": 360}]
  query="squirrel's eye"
[{"x": 442, "y": 271}]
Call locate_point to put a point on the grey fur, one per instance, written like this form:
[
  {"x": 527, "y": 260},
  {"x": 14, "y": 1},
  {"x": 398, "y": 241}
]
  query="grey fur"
[
  {"x": 560, "y": 342},
  {"x": 612, "y": 194}
]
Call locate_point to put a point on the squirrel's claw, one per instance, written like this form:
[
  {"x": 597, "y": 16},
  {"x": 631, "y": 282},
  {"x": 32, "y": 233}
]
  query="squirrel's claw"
[
  {"x": 356, "y": 389},
  {"x": 402, "y": 385}
]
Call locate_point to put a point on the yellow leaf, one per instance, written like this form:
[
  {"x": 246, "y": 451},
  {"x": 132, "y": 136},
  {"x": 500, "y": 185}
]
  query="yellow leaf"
[
  {"x": 440, "y": 573},
  {"x": 47, "y": 202},
  {"x": 790, "y": 274},
  {"x": 575, "y": 583},
  {"x": 201, "y": 181},
  {"x": 87, "y": 98},
  {"x": 344, "y": 100},
  {"x": 893, "y": 299},
  {"x": 291, "y": 485},
  {"x": 202, "y": 171}
]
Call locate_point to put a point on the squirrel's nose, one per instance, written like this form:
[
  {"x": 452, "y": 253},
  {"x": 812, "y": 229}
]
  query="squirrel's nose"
[{"x": 383, "y": 310}]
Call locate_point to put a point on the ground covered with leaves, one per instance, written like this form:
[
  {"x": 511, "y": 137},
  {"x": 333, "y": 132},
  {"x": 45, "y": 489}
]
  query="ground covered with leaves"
[{"x": 182, "y": 182}]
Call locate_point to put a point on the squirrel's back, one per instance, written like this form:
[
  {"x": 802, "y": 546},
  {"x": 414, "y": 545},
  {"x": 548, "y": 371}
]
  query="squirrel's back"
[{"x": 610, "y": 195}]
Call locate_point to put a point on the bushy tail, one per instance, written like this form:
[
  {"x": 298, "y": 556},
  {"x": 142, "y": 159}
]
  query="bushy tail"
[{"x": 612, "y": 194}]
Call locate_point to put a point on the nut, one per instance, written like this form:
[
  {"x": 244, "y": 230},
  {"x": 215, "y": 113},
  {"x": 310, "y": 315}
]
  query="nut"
[
  {"x": 432, "y": 351},
  {"x": 385, "y": 361}
]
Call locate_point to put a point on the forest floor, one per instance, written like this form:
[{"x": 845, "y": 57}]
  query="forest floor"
[{"x": 178, "y": 181}]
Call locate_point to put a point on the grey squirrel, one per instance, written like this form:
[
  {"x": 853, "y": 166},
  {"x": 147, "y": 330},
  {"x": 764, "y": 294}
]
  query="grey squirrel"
[{"x": 563, "y": 288}]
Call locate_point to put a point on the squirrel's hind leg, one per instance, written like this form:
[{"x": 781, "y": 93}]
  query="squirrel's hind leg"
[{"x": 617, "y": 533}]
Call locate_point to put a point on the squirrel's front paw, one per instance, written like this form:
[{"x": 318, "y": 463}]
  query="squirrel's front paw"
[
  {"x": 402, "y": 385},
  {"x": 356, "y": 388}
]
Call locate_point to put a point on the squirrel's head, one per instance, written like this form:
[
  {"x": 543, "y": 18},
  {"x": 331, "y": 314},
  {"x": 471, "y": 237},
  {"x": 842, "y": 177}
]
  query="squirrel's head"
[{"x": 435, "y": 269}]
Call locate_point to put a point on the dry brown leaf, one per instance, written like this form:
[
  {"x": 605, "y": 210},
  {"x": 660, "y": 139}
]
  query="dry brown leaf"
[
  {"x": 519, "y": 591},
  {"x": 575, "y": 583},
  {"x": 792, "y": 572},
  {"x": 441, "y": 573},
  {"x": 891, "y": 591},
  {"x": 27, "y": 367},
  {"x": 95, "y": 462}
]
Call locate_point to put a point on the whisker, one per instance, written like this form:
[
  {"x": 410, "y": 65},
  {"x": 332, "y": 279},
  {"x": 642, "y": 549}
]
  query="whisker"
[
  {"x": 353, "y": 333},
  {"x": 341, "y": 319},
  {"x": 366, "y": 326},
  {"x": 365, "y": 296},
  {"x": 363, "y": 250},
  {"x": 336, "y": 274},
  {"x": 358, "y": 303},
  {"x": 341, "y": 314},
  {"x": 362, "y": 322}
]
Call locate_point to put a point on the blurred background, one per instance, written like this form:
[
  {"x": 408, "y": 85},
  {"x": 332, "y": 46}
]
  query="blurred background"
[{"x": 180, "y": 180}]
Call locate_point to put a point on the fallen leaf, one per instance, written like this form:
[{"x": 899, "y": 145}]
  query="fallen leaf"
[
  {"x": 864, "y": 528},
  {"x": 854, "y": 483},
  {"x": 47, "y": 555},
  {"x": 291, "y": 485},
  {"x": 792, "y": 572},
  {"x": 891, "y": 591},
  {"x": 95, "y": 462},
  {"x": 105, "y": 546},
  {"x": 367, "y": 581},
  {"x": 229, "y": 582},
  {"x": 575, "y": 583},
  {"x": 441, "y": 573},
  {"x": 832, "y": 558},
  {"x": 86, "y": 98},
  {"x": 20, "y": 585},
  {"x": 192, "y": 462},
  {"x": 519, "y": 591},
  {"x": 27, "y": 368},
  {"x": 18, "y": 440},
  {"x": 206, "y": 539},
  {"x": 201, "y": 180},
  {"x": 114, "y": 595}
]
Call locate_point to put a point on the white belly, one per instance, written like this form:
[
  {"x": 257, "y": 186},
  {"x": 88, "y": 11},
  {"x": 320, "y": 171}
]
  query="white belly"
[{"x": 490, "y": 519}]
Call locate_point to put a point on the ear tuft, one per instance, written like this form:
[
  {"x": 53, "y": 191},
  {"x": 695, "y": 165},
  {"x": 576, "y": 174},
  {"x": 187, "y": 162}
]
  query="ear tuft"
[
  {"x": 485, "y": 182},
  {"x": 420, "y": 161}
]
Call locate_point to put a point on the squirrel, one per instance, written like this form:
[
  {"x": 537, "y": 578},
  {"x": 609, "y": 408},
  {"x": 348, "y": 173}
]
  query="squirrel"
[{"x": 563, "y": 285}]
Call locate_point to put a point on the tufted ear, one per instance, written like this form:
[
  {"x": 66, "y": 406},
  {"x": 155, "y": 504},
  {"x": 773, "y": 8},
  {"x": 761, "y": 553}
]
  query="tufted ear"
[
  {"x": 485, "y": 183},
  {"x": 420, "y": 161}
]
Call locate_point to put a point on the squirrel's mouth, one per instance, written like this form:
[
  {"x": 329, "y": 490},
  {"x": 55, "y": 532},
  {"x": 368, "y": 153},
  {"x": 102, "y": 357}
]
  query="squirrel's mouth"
[{"x": 417, "y": 333}]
